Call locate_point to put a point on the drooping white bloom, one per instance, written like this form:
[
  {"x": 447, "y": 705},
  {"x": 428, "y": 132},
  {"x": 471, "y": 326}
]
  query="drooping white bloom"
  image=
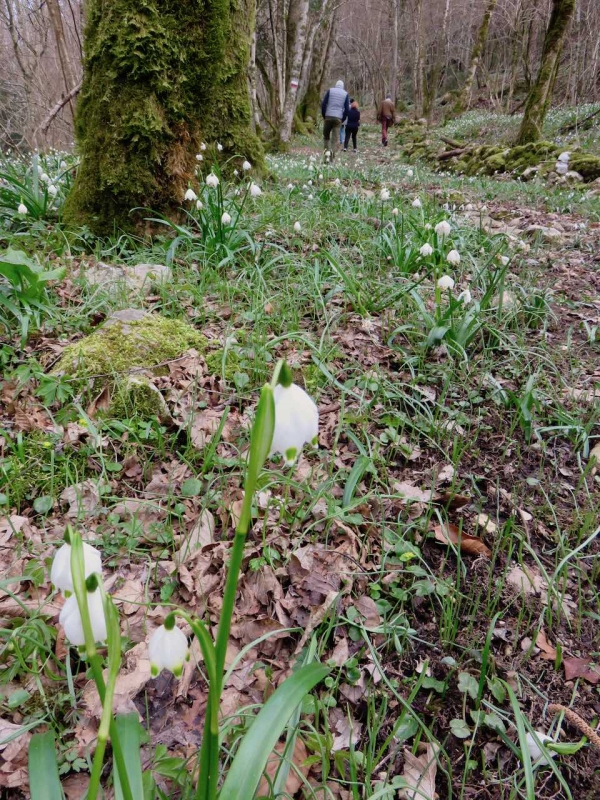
[
  {"x": 22, "y": 209},
  {"x": 290, "y": 186},
  {"x": 504, "y": 260},
  {"x": 445, "y": 282},
  {"x": 212, "y": 180},
  {"x": 416, "y": 203},
  {"x": 219, "y": 146},
  {"x": 44, "y": 177},
  {"x": 535, "y": 751},
  {"x": 246, "y": 166},
  {"x": 465, "y": 296},
  {"x": 384, "y": 194},
  {"x": 297, "y": 227},
  {"x": 60, "y": 572},
  {"x": 310, "y": 197},
  {"x": 199, "y": 205},
  {"x": 70, "y": 619},
  {"x": 443, "y": 228},
  {"x": 296, "y": 422},
  {"x": 427, "y": 226},
  {"x": 199, "y": 157},
  {"x": 453, "y": 257},
  {"x": 168, "y": 649},
  {"x": 426, "y": 250},
  {"x": 52, "y": 190},
  {"x": 203, "y": 146},
  {"x": 320, "y": 176},
  {"x": 225, "y": 219},
  {"x": 409, "y": 173},
  {"x": 337, "y": 181},
  {"x": 310, "y": 183},
  {"x": 255, "y": 190},
  {"x": 63, "y": 164},
  {"x": 395, "y": 212},
  {"x": 236, "y": 172},
  {"x": 190, "y": 195}
]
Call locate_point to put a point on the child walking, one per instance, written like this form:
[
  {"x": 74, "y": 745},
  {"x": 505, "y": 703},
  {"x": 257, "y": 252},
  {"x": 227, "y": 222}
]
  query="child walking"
[{"x": 352, "y": 125}]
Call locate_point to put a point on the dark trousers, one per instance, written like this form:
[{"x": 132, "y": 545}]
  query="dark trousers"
[
  {"x": 385, "y": 121},
  {"x": 331, "y": 125},
  {"x": 350, "y": 132}
]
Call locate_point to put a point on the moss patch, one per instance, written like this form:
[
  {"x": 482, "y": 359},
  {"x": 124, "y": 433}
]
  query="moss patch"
[{"x": 587, "y": 165}]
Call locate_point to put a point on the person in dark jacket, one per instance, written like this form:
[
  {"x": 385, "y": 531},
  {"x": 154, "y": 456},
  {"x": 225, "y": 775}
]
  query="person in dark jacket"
[
  {"x": 352, "y": 125},
  {"x": 386, "y": 117},
  {"x": 334, "y": 108}
]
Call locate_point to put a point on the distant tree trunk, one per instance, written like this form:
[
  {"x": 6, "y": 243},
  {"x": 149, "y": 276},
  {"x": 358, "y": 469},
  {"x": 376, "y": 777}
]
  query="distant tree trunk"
[
  {"x": 58, "y": 30},
  {"x": 419, "y": 60},
  {"x": 464, "y": 99},
  {"x": 436, "y": 71},
  {"x": 322, "y": 51},
  {"x": 393, "y": 90},
  {"x": 540, "y": 93},
  {"x": 159, "y": 78},
  {"x": 252, "y": 86},
  {"x": 297, "y": 35}
]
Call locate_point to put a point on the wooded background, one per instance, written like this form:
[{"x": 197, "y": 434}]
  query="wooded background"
[{"x": 434, "y": 56}]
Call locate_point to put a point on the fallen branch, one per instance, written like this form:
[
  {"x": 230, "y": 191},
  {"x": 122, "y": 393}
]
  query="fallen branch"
[
  {"x": 578, "y": 123},
  {"x": 452, "y": 142},
  {"x": 452, "y": 153},
  {"x": 61, "y": 103}
]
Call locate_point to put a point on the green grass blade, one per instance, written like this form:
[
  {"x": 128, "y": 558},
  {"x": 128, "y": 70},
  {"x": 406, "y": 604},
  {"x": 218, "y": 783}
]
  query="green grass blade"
[
  {"x": 44, "y": 783},
  {"x": 257, "y": 745},
  {"x": 361, "y": 465},
  {"x": 130, "y": 732}
]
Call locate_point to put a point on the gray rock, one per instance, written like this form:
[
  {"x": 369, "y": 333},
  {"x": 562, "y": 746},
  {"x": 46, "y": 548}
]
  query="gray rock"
[{"x": 139, "y": 278}]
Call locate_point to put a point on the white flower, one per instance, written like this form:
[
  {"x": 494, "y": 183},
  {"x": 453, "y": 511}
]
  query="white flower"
[
  {"x": 384, "y": 195},
  {"x": 190, "y": 195},
  {"x": 255, "y": 190},
  {"x": 290, "y": 186},
  {"x": 296, "y": 422},
  {"x": 236, "y": 172},
  {"x": 225, "y": 219},
  {"x": 44, "y": 177},
  {"x": 219, "y": 146},
  {"x": 246, "y": 166},
  {"x": 453, "y": 257},
  {"x": 63, "y": 164},
  {"x": 212, "y": 180},
  {"x": 199, "y": 205},
  {"x": 337, "y": 181},
  {"x": 427, "y": 226},
  {"x": 310, "y": 183},
  {"x": 60, "y": 572},
  {"x": 168, "y": 649},
  {"x": 320, "y": 177},
  {"x": 426, "y": 250},
  {"x": 443, "y": 228},
  {"x": 203, "y": 146},
  {"x": 52, "y": 190},
  {"x": 504, "y": 260},
  {"x": 465, "y": 296},
  {"x": 310, "y": 197},
  {"x": 199, "y": 157},
  {"x": 445, "y": 282},
  {"x": 297, "y": 227},
  {"x": 70, "y": 619},
  {"x": 409, "y": 173},
  {"x": 416, "y": 203},
  {"x": 22, "y": 208},
  {"x": 395, "y": 212},
  {"x": 535, "y": 751}
]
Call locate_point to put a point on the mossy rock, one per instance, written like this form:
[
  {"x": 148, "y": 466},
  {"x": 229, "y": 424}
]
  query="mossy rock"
[
  {"x": 587, "y": 165},
  {"x": 137, "y": 396},
  {"x": 128, "y": 340},
  {"x": 495, "y": 163}
]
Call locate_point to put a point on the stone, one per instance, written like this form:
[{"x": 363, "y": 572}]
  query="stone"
[
  {"x": 140, "y": 277},
  {"x": 565, "y": 156},
  {"x": 573, "y": 177},
  {"x": 136, "y": 395},
  {"x": 562, "y": 168},
  {"x": 529, "y": 173}
]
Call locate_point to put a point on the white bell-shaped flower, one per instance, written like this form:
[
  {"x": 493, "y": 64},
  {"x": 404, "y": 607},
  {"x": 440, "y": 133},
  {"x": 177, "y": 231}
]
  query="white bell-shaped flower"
[
  {"x": 384, "y": 194},
  {"x": 290, "y": 186},
  {"x": 168, "y": 649},
  {"x": 395, "y": 212},
  {"x": 236, "y": 172},
  {"x": 44, "y": 177},
  {"x": 296, "y": 422},
  {"x": 225, "y": 219},
  {"x": 409, "y": 173},
  {"x": 453, "y": 257},
  {"x": 310, "y": 197},
  {"x": 426, "y": 250},
  {"x": 203, "y": 146},
  {"x": 70, "y": 619},
  {"x": 443, "y": 228},
  {"x": 504, "y": 260},
  {"x": 535, "y": 751},
  {"x": 297, "y": 227},
  {"x": 199, "y": 205},
  {"x": 219, "y": 146},
  {"x": 465, "y": 296},
  {"x": 246, "y": 166},
  {"x": 22, "y": 209},
  {"x": 60, "y": 572},
  {"x": 199, "y": 157},
  {"x": 416, "y": 203},
  {"x": 445, "y": 282},
  {"x": 255, "y": 190},
  {"x": 190, "y": 195},
  {"x": 212, "y": 181},
  {"x": 52, "y": 190}
]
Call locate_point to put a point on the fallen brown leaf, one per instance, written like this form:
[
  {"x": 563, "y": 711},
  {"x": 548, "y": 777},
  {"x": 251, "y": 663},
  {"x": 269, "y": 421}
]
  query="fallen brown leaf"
[
  {"x": 294, "y": 780},
  {"x": 584, "y": 668},
  {"x": 419, "y": 773},
  {"x": 450, "y": 534},
  {"x": 83, "y": 498},
  {"x": 548, "y": 651}
]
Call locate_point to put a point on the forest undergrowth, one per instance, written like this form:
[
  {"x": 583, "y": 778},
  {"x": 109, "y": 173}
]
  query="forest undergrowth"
[{"x": 439, "y": 549}]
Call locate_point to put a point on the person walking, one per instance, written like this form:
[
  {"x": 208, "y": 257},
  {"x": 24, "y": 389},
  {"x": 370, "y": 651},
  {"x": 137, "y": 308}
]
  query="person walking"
[
  {"x": 386, "y": 117},
  {"x": 352, "y": 125},
  {"x": 334, "y": 108}
]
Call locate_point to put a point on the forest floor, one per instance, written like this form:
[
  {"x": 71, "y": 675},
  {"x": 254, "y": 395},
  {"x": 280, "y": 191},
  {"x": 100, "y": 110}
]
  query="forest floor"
[{"x": 439, "y": 549}]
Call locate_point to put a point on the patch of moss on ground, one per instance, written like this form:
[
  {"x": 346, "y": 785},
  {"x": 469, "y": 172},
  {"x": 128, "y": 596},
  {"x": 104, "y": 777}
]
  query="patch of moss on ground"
[{"x": 587, "y": 165}]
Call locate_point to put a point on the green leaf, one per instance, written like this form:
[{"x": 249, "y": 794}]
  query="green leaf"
[
  {"x": 191, "y": 487},
  {"x": 44, "y": 783},
  {"x": 467, "y": 684},
  {"x": 261, "y": 436},
  {"x": 496, "y": 687},
  {"x": 460, "y": 728},
  {"x": 17, "y": 698},
  {"x": 130, "y": 733},
  {"x": 361, "y": 465},
  {"x": 494, "y": 722},
  {"x": 257, "y": 745},
  {"x": 43, "y": 504}
]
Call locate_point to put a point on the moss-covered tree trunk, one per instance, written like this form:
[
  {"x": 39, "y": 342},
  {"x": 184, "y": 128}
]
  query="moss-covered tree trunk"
[
  {"x": 540, "y": 93},
  {"x": 160, "y": 76},
  {"x": 463, "y": 100}
]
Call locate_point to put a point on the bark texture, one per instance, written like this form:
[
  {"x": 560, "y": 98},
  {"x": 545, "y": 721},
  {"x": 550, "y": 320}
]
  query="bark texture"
[
  {"x": 540, "y": 93},
  {"x": 464, "y": 99},
  {"x": 160, "y": 76}
]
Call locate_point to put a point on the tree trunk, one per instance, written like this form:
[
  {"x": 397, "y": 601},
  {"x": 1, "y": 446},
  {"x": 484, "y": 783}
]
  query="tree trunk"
[
  {"x": 297, "y": 35},
  {"x": 464, "y": 99},
  {"x": 159, "y": 78},
  {"x": 58, "y": 30},
  {"x": 322, "y": 51},
  {"x": 393, "y": 89},
  {"x": 419, "y": 61},
  {"x": 540, "y": 93},
  {"x": 436, "y": 71}
]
